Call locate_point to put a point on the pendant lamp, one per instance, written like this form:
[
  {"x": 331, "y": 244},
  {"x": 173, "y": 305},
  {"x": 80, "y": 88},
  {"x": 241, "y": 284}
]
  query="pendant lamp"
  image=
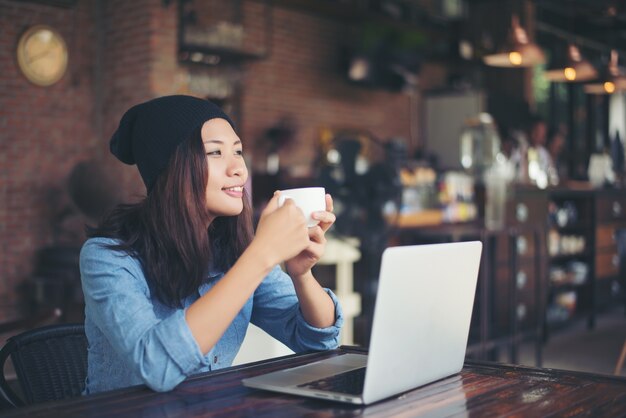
[
  {"x": 570, "y": 66},
  {"x": 518, "y": 52},
  {"x": 612, "y": 79}
]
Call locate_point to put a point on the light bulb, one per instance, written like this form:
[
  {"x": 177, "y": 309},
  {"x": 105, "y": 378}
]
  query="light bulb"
[
  {"x": 515, "y": 58},
  {"x": 570, "y": 73},
  {"x": 609, "y": 87}
]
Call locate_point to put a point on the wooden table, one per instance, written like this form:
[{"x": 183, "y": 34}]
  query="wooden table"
[{"x": 482, "y": 389}]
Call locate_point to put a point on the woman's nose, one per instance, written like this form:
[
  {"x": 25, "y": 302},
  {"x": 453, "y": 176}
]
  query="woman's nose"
[{"x": 237, "y": 167}]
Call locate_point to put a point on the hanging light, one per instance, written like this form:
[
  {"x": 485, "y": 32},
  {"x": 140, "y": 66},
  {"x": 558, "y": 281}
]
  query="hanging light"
[
  {"x": 519, "y": 51},
  {"x": 611, "y": 80},
  {"x": 570, "y": 66}
]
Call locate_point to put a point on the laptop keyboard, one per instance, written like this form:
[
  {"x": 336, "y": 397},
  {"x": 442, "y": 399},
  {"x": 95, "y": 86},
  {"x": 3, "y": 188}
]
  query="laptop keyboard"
[{"x": 350, "y": 382}]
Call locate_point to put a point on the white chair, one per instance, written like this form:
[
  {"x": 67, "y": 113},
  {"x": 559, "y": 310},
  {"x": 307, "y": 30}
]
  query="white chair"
[
  {"x": 344, "y": 253},
  {"x": 259, "y": 345}
]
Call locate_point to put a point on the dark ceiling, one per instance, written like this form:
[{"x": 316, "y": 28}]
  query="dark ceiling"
[{"x": 594, "y": 24}]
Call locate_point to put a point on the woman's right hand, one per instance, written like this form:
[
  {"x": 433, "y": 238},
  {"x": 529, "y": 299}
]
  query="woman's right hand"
[{"x": 282, "y": 232}]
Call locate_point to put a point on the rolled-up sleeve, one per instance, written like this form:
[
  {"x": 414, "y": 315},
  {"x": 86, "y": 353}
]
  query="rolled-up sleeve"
[
  {"x": 276, "y": 310},
  {"x": 162, "y": 351}
]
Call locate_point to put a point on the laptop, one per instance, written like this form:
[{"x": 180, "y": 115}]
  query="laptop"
[{"x": 419, "y": 333}]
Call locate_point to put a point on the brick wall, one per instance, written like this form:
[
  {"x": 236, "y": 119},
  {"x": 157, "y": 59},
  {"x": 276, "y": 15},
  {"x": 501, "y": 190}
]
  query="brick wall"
[
  {"x": 123, "y": 52},
  {"x": 43, "y": 133},
  {"x": 129, "y": 47}
]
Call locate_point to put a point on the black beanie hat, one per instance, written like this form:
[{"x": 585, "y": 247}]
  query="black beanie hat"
[{"x": 150, "y": 132}]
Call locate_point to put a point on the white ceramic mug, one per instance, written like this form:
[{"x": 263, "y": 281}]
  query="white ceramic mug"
[{"x": 308, "y": 199}]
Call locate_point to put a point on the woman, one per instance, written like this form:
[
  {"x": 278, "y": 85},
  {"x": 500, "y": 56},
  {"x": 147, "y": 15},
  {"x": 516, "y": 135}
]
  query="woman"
[{"x": 172, "y": 282}]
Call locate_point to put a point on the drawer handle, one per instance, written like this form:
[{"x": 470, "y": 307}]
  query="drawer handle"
[
  {"x": 521, "y": 311},
  {"x": 521, "y": 212},
  {"x": 615, "y": 260},
  {"x": 522, "y": 245},
  {"x": 521, "y": 279},
  {"x": 617, "y": 209}
]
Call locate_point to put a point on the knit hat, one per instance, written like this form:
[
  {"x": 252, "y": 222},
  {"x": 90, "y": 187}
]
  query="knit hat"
[{"x": 150, "y": 132}]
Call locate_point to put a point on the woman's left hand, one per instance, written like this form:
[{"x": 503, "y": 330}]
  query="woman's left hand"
[{"x": 303, "y": 262}]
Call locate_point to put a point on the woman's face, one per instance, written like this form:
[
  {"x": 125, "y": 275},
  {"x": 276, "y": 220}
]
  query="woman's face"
[{"x": 226, "y": 167}]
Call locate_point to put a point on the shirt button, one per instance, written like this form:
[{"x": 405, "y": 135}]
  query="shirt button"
[{"x": 215, "y": 359}]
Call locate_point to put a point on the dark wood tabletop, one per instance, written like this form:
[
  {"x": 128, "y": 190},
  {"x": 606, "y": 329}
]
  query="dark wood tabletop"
[{"x": 482, "y": 389}]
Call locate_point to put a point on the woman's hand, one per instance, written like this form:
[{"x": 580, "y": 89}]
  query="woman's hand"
[
  {"x": 306, "y": 259},
  {"x": 281, "y": 233}
]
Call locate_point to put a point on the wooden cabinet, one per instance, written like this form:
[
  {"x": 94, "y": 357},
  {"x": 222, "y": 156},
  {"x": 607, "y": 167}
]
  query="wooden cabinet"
[
  {"x": 610, "y": 217},
  {"x": 510, "y": 299},
  {"x": 518, "y": 285},
  {"x": 524, "y": 312}
]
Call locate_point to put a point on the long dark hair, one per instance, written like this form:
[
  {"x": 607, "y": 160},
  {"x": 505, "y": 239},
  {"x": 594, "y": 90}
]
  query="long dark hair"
[{"x": 167, "y": 230}]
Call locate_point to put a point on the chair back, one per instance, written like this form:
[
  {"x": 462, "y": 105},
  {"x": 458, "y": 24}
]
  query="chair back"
[{"x": 50, "y": 363}]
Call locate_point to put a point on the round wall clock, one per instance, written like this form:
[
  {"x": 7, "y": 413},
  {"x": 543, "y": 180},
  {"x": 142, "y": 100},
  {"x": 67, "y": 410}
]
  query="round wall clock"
[{"x": 42, "y": 55}]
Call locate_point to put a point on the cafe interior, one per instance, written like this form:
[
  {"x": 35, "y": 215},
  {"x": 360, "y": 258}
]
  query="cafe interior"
[{"x": 428, "y": 121}]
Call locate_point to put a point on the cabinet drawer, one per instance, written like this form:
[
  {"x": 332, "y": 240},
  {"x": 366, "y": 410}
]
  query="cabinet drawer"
[
  {"x": 525, "y": 309},
  {"x": 607, "y": 264},
  {"x": 527, "y": 211},
  {"x": 606, "y": 235},
  {"x": 523, "y": 279},
  {"x": 525, "y": 247},
  {"x": 610, "y": 208},
  {"x": 609, "y": 293},
  {"x": 502, "y": 249},
  {"x": 524, "y": 306}
]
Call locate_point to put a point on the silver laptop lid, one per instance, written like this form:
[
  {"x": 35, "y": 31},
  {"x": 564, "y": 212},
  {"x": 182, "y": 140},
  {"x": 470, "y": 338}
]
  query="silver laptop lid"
[{"x": 422, "y": 316}]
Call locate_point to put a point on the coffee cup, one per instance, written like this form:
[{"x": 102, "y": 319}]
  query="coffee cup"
[{"x": 308, "y": 199}]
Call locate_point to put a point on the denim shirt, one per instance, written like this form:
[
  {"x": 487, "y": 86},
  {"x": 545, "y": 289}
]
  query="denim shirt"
[{"x": 135, "y": 339}]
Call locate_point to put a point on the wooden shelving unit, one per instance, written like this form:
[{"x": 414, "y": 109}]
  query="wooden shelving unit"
[
  {"x": 214, "y": 45},
  {"x": 582, "y": 242},
  {"x": 570, "y": 253}
]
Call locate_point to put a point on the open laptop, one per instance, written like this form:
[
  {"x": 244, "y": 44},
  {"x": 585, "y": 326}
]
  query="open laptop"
[{"x": 419, "y": 333}]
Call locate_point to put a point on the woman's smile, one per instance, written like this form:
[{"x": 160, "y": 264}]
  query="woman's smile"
[{"x": 234, "y": 191}]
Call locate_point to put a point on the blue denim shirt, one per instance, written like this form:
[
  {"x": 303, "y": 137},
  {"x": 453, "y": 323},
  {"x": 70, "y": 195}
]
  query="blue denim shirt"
[{"x": 134, "y": 339}]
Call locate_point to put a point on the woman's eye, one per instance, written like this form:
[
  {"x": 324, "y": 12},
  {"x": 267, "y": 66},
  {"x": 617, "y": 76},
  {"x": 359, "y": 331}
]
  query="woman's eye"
[
  {"x": 239, "y": 152},
  {"x": 218, "y": 152}
]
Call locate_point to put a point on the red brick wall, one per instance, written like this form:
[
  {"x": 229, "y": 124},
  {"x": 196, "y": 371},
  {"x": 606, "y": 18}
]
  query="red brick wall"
[
  {"x": 43, "y": 133},
  {"x": 123, "y": 52},
  {"x": 129, "y": 48}
]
